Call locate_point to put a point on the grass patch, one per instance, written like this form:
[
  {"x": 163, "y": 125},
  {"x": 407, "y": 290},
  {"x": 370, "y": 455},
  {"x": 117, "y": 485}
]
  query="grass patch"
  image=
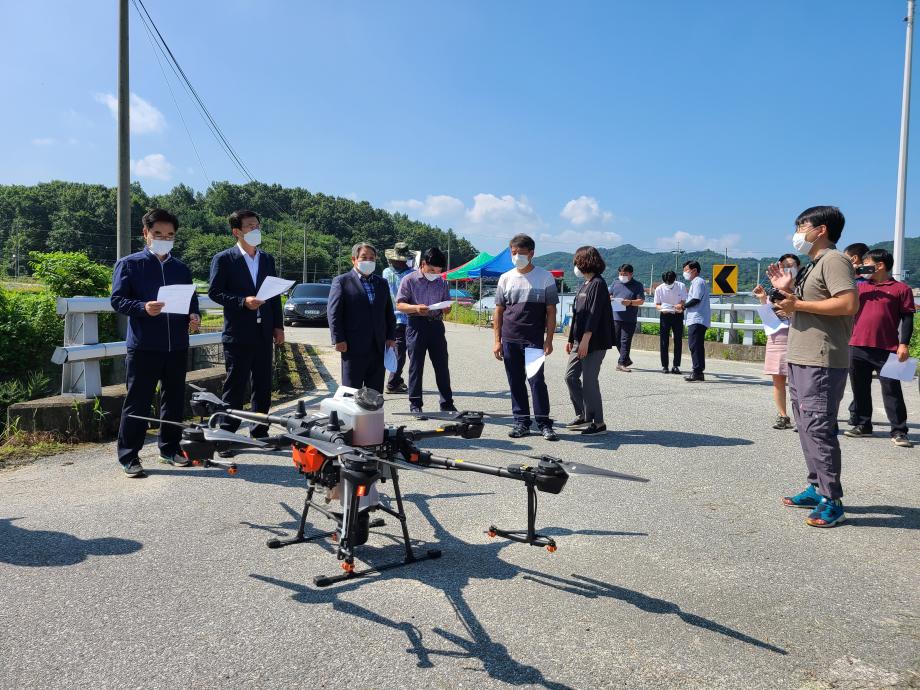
[
  {"x": 21, "y": 448},
  {"x": 462, "y": 314}
]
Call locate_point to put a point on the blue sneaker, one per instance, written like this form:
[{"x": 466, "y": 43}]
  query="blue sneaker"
[
  {"x": 810, "y": 498},
  {"x": 828, "y": 513}
]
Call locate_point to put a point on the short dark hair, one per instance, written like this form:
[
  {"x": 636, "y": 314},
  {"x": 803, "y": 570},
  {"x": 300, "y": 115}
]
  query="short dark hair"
[
  {"x": 434, "y": 257},
  {"x": 668, "y": 277},
  {"x": 790, "y": 256},
  {"x": 589, "y": 260},
  {"x": 522, "y": 241},
  {"x": 238, "y": 216},
  {"x": 356, "y": 249},
  {"x": 159, "y": 215},
  {"x": 828, "y": 216},
  {"x": 881, "y": 256},
  {"x": 625, "y": 268},
  {"x": 857, "y": 249},
  {"x": 693, "y": 264}
]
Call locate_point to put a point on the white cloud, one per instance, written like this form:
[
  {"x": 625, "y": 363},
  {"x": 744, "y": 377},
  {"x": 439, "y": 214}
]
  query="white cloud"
[
  {"x": 501, "y": 213},
  {"x": 585, "y": 209},
  {"x": 570, "y": 240},
  {"x": 489, "y": 213},
  {"x": 145, "y": 118},
  {"x": 44, "y": 141},
  {"x": 434, "y": 206},
  {"x": 153, "y": 165},
  {"x": 696, "y": 242}
]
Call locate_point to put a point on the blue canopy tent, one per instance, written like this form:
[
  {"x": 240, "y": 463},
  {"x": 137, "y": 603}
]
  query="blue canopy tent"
[{"x": 500, "y": 263}]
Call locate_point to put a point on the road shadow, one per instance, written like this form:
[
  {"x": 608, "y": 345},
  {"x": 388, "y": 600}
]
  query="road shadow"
[
  {"x": 613, "y": 439},
  {"x": 895, "y": 517},
  {"x": 461, "y": 562},
  {"x": 44, "y": 548},
  {"x": 594, "y": 589}
]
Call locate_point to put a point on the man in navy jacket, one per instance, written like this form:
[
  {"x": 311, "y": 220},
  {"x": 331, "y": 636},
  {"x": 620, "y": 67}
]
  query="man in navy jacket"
[
  {"x": 251, "y": 326},
  {"x": 157, "y": 342},
  {"x": 361, "y": 320}
]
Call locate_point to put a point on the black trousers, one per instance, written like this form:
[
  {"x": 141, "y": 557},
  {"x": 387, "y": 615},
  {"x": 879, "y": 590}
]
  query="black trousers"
[
  {"x": 248, "y": 365},
  {"x": 865, "y": 361},
  {"x": 696, "y": 339},
  {"x": 145, "y": 369},
  {"x": 396, "y": 378},
  {"x": 671, "y": 324},
  {"x": 623, "y": 332},
  {"x": 514, "y": 359},
  {"x": 364, "y": 370},
  {"x": 427, "y": 336}
]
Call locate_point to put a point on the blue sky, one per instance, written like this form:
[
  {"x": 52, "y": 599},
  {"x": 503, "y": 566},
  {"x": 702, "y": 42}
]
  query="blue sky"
[{"x": 605, "y": 122}]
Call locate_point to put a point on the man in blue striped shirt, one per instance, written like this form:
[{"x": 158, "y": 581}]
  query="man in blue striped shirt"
[{"x": 399, "y": 268}]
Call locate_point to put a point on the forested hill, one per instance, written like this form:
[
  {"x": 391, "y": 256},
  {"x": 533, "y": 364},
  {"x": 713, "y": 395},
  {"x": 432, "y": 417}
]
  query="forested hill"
[
  {"x": 653, "y": 264},
  {"x": 72, "y": 216}
]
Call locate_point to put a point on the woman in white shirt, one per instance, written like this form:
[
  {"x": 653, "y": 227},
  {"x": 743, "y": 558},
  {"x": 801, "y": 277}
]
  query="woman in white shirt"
[
  {"x": 775, "y": 360},
  {"x": 669, "y": 301}
]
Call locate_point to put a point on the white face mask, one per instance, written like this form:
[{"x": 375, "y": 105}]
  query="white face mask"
[
  {"x": 800, "y": 244},
  {"x": 432, "y": 276},
  {"x": 253, "y": 238},
  {"x": 625, "y": 279},
  {"x": 520, "y": 260},
  {"x": 791, "y": 270},
  {"x": 161, "y": 247},
  {"x": 366, "y": 267},
  {"x": 687, "y": 275},
  {"x": 578, "y": 273}
]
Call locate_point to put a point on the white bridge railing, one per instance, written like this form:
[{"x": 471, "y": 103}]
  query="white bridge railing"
[
  {"x": 731, "y": 318},
  {"x": 82, "y": 353}
]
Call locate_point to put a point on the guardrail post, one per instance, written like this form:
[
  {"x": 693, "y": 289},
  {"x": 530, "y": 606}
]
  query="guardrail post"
[
  {"x": 748, "y": 334},
  {"x": 728, "y": 335},
  {"x": 81, "y": 378}
]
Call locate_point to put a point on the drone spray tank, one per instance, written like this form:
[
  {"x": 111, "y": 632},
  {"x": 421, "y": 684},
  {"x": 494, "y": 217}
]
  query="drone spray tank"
[{"x": 359, "y": 410}]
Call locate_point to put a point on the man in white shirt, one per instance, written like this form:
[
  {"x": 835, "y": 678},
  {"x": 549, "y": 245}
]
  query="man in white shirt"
[
  {"x": 670, "y": 298},
  {"x": 699, "y": 315}
]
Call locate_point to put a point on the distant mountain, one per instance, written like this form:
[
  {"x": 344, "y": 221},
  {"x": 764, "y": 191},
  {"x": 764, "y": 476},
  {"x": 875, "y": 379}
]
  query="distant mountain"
[{"x": 652, "y": 264}]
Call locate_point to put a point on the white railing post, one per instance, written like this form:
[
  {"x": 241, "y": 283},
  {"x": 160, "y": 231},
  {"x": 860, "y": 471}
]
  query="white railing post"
[
  {"x": 84, "y": 377},
  {"x": 748, "y": 334}
]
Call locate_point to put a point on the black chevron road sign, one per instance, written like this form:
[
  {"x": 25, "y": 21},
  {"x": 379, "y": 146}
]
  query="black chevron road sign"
[{"x": 724, "y": 279}]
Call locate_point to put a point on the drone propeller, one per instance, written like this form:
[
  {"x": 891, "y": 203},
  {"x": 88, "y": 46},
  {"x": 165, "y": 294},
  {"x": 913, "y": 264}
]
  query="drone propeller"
[
  {"x": 230, "y": 437},
  {"x": 183, "y": 425},
  {"x": 576, "y": 468},
  {"x": 206, "y": 396}
]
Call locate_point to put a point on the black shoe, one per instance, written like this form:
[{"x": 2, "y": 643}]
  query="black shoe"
[
  {"x": 675, "y": 370},
  {"x": 134, "y": 470},
  {"x": 576, "y": 423},
  {"x": 549, "y": 434},
  {"x": 694, "y": 379},
  {"x": 417, "y": 411},
  {"x": 665, "y": 370},
  {"x": 858, "y": 432},
  {"x": 398, "y": 388},
  {"x": 519, "y": 431},
  {"x": 782, "y": 422},
  {"x": 449, "y": 407},
  {"x": 593, "y": 428}
]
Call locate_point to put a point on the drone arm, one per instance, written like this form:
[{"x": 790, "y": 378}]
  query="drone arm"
[{"x": 440, "y": 462}]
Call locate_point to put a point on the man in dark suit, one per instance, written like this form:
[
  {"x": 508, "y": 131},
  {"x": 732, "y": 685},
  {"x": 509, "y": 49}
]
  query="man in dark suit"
[
  {"x": 361, "y": 320},
  {"x": 251, "y": 327}
]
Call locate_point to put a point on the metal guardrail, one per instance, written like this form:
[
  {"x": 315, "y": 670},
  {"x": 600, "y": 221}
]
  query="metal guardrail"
[
  {"x": 82, "y": 353},
  {"x": 723, "y": 317}
]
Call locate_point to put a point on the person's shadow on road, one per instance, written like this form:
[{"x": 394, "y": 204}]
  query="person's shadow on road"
[
  {"x": 897, "y": 517},
  {"x": 43, "y": 548}
]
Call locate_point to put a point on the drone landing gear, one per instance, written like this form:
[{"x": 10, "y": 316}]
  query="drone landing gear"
[
  {"x": 530, "y": 535},
  {"x": 211, "y": 462},
  {"x": 346, "y": 549}
]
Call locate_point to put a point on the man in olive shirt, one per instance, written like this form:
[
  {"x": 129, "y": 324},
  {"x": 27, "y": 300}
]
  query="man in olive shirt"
[{"x": 820, "y": 303}]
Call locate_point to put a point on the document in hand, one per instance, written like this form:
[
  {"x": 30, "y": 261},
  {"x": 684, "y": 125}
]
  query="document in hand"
[
  {"x": 441, "y": 305},
  {"x": 177, "y": 298},
  {"x": 903, "y": 371},
  {"x": 533, "y": 361},
  {"x": 272, "y": 287},
  {"x": 771, "y": 322},
  {"x": 617, "y": 304},
  {"x": 390, "y": 360}
]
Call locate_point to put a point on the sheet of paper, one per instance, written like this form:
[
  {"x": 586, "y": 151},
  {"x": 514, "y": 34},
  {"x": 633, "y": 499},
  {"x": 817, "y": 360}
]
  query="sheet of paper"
[
  {"x": 390, "y": 360},
  {"x": 617, "y": 304},
  {"x": 272, "y": 287},
  {"x": 771, "y": 322},
  {"x": 441, "y": 305},
  {"x": 903, "y": 371},
  {"x": 177, "y": 298},
  {"x": 533, "y": 361}
]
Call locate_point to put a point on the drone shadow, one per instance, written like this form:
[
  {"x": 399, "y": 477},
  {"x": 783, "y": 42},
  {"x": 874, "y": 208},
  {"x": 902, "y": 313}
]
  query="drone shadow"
[
  {"x": 43, "y": 548},
  {"x": 480, "y": 561},
  {"x": 664, "y": 438}
]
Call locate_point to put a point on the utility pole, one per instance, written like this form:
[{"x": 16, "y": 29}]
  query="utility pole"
[
  {"x": 898, "y": 272},
  {"x": 677, "y": 252},
  {"x": 123, "y": 243},
  {"x": 304, "y": 254}
]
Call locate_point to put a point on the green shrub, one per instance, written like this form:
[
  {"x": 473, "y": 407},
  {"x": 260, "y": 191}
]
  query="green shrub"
[
  {"x": 650, "y": 328},
  {"x": 18, "y": 390},
  {"x": 71, "y": 274},
  {"x": 462, "y": 314},
  {"x": 30, "y": 329}
]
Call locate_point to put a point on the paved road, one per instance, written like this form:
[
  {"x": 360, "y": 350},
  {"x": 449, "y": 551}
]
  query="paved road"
[{"x": 699, "y": 579}]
